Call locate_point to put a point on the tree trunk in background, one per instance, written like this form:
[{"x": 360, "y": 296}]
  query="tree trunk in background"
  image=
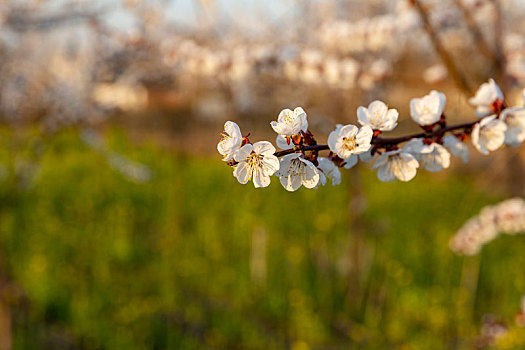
[
  {"x": 6, "y": 334},
  {"x": 355, "y": 241}
]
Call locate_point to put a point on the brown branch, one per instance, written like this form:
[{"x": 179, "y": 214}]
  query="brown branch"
[
  {"x": 387, "y": 141},
  {"x": 454, "y": 72},
  {"x": 25, "y": 19},
  {"x": 498, "y": 44},
  {"x": 479, "y": 39}
]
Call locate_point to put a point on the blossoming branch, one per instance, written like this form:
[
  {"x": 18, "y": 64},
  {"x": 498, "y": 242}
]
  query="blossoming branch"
[
  {"x": 299, "y": 163},
  {"x": 506, "y": 217}
]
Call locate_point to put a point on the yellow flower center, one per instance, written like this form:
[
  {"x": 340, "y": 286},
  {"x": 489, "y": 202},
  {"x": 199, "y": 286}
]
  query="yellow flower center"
[
  {"x": 289, "y": 118},
  {"x": 425, "y": 109},
  {"x": 349, "y": 143},
  {"x": 224, "y": 137},
  {"x": 253, "y": 161},
  {"x": 487, "y": 133}
]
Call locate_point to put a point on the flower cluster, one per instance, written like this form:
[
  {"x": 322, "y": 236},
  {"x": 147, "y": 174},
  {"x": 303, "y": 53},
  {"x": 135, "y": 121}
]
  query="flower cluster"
[
  {"x": 491, "y": 330},
  {"x": 243, "y": 61},
  {"x": 497, "y": 331},
  {"x": 394, "y": 158},
  {"x": 506, "y": 217}
]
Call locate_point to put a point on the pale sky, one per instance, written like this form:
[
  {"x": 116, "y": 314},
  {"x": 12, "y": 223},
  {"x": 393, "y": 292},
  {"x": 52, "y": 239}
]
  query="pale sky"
[{"x": 246, "y": 14}]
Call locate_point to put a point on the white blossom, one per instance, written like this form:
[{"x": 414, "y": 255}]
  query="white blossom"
[
  {"x": 488, "y": 134},
  {"x": 256, "y": 162},
  {"x": 230, "y": 141},
  {"x": 328, "y": 170},
  {"x": 515, "y": 120},
  {"x": 290, "y": 123},
  {"x": 396, "y": 164},
  {"x": 428, "y": 109},
  {"x": 435, "y": 74},
  {"x": 487, "y": 94},
  {"x": 296, "y": 171},
  {"x": 284, "y": 143},
  {"x": 433, "y": 157},
  {"x": 472, "y": 235},
  {"x": 378, "y": 116},
  {"x": 351, "y": 161},
  {"x": 366, "y": 156},
  {"x": 456, "y": 147},
  {"x": 349, "y": 139},
  {"x": 506, "y": 217}
]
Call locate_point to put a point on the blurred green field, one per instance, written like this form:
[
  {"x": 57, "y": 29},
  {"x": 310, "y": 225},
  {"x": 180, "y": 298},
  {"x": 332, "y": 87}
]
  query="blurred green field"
[{"x": 192, "y": 259}]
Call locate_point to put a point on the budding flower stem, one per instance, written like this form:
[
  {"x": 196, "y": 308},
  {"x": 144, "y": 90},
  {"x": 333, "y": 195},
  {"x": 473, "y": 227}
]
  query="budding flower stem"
[{"x": 392, "y": 141}]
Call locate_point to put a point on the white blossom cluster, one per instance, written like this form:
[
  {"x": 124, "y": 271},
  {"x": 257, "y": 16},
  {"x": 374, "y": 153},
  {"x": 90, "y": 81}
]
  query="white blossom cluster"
[
  {"x": 242, "y": 61},
  {"x": 506, "y": 217},
  {"x": 373, "y": 33},
  {"x": 388, "y": 32},
  {"x": 394, "y": 158},
  {"x": 491, "y": 331},
  {"x": 514, "y": 45}
]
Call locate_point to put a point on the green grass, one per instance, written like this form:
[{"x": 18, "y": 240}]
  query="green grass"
[{"x": 192, "y": 259}]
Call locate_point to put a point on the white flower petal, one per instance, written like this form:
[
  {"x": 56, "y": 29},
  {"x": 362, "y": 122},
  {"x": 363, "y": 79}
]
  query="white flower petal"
[
  {"x": 437, "y": 160},
  {"x": 243, "y": 152},
  {"x": 406, "y": 167},
  {"x": 377, "y": 110},
  {"x": 488, "y": 134},
  {"x": 290, "y": 123},
  {"x": 264, "y": 148},
  {"x": 349, "y": 131},
  {"x": 385, "y": 174},
  {"x": 230, "y": 142},
  {"x": 366, "y": 156},
  {"x": 332, "y": 140},
  {"x": 362, "y": 116},
  {"x": 486, "y": 95},
  {"x": 394, "y": 164},
  {"x": 310, "y": 176},
  {"x": 390, "y": 120},
  {"x": 241, "y": 172},
  {"x": 378, "y": 116},
  {"x": 329, "y": 169},
  {"x": 351, "y": 161},
  {"x": 428, "y": 109},
  {"x": 347, "y": 140},
  {"x": 291, "y": 183},
  {"x": 279, "y": 128},
  {"x": 283, "y": 143},
  {"x": 270, "y": 164},
  {"x": 456, "y": 147},
  {"x": 232, "y": 129},
  {"x": 322, "y": 179},
  {"x": 284, "y": 115},
  {"x": 260, "y": 179},
  {"x": 514, "y": 118}
]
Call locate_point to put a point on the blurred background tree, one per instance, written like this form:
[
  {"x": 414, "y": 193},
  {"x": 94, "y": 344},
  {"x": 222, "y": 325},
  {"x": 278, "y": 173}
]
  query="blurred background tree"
[{"x": 121, "y": 229}]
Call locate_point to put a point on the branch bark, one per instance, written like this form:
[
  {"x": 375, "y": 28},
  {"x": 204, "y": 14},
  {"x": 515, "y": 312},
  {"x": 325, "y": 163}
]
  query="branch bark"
[
  {"x": 453, "y": 70},
  {"x": 387, "y": 141},
  {"x": 479, "y": 39}
]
